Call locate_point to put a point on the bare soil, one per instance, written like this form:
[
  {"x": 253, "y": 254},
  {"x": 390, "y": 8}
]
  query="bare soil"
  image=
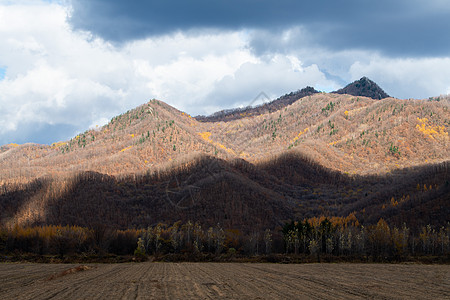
[{"x": 223, "y": 281}]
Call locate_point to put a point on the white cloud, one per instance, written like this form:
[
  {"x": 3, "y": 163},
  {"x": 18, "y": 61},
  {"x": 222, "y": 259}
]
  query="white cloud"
[
  {"x": 274, "y": 75},
  {"x": 406, "y": 78},
  {"x": 56, "y": 76},
  {"x": 59, "y": 81},
  {"x": 186, "y": 81}
]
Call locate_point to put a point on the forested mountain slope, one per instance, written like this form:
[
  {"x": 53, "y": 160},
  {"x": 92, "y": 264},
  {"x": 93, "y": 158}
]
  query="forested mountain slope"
[{"x": 324, "y": 154}]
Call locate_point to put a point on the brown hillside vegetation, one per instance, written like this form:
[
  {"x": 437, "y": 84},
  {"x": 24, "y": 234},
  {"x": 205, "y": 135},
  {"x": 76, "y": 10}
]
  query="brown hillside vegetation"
[
  {"x": 325, "y": 154},
  {"x": 235, "y": 194},
  {"x": 354, "y": 135}
]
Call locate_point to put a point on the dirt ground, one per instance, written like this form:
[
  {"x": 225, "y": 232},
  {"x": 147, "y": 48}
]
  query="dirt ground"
[{"x": 223, "y": 281}]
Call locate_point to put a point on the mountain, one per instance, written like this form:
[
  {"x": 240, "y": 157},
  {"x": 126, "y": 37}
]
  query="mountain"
[
  {"x": 240, "y": 113},
  {"x": 322, "y": 155},
  {"x": 363, "y": 87}
]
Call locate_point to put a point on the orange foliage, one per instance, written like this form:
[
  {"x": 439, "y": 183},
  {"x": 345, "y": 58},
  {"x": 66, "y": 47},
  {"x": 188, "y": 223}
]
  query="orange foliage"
[{"x": 347, "y": 221}]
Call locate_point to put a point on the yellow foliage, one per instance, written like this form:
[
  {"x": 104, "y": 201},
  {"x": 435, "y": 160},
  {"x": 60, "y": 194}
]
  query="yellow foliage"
[
  {"x": 404, "y": 198},
  {"x": 433, "y": 132},
  {"x": 244, "y": 154},
  {"x": 300, "y": 134},
  {"x": 346, "y": 114},
  {"x": 132, "y": 135},
  {"x": 206, "y": 136},
  {"x": 124, "y": 149},
  {"x": 394, "y": 202},
  {"x": 13, "y": 145},
  {"x": 226, "y": 149},
  {"x": 58, "y": 144}
]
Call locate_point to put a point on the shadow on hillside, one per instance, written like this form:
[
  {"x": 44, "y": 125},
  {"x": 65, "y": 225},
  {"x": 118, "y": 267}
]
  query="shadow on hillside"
[{"x": 235, "y": 194}]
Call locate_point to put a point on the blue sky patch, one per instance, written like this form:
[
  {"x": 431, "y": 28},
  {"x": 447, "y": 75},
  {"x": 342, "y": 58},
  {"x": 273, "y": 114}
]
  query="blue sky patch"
[{"x": 2, "y": 73}]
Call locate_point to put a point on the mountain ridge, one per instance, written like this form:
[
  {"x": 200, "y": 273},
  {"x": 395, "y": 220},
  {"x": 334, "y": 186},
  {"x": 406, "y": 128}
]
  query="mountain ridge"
[
  {"x": 324, "y": 154},
  {"x": 239, "y": 113},
  {"x": 345, "y": 133}
]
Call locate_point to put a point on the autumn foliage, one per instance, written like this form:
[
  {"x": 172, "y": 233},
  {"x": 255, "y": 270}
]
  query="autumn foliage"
[{"x": 322, "y": 156}]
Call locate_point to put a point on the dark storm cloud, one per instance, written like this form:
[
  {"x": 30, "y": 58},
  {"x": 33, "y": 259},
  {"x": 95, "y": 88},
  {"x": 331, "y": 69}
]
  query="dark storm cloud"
[{"x": 395, "y": 28}]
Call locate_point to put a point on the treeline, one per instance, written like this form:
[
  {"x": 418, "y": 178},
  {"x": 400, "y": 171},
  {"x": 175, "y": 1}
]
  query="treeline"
[
  {"x": 378, "y": 242},
  {"x": 314, "y": 238},
  {"x": 67, "y": 240}
]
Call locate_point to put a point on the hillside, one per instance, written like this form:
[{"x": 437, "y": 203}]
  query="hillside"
[
  {"x": 324, "y": 154},
  {"x": 234, "y": 194},
  {"x": 144, "y": 138},
  {"x": 356, "y": 135}
]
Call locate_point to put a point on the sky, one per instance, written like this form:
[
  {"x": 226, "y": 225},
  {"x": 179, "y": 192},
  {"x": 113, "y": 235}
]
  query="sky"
[{"x": 69, "y": 65}]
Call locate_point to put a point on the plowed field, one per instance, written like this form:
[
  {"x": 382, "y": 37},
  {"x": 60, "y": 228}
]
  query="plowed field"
[{"x": 223, "y": 281}]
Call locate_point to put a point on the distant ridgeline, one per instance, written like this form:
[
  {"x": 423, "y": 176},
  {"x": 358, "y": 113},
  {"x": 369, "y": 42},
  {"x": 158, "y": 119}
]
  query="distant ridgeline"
[
  {"x": 239, "y": 113},
  {"x": 365, "y": 88}
]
